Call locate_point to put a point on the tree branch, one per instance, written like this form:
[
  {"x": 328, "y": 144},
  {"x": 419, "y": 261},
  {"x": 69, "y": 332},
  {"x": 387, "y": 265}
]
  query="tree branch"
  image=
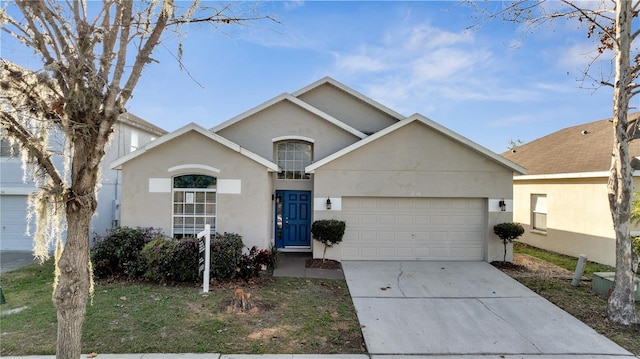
[
  {"x": 143, "y": 54},
  {"x": 14, "y": 128}
]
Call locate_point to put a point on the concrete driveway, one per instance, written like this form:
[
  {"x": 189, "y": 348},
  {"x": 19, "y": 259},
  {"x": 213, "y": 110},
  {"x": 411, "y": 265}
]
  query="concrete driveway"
[
  {"x": 450, "y": 309},
  {"x": 12, "y": 260}
]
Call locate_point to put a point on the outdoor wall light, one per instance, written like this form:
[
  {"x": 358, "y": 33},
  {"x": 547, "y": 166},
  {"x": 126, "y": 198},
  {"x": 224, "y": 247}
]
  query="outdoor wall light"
[
  {"x": 503, "y": 205},
  {"x": 328, "y": 203}
]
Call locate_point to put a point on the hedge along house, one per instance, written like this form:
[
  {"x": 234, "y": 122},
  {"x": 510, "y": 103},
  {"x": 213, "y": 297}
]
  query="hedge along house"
[{"x": 407, "y": 187}]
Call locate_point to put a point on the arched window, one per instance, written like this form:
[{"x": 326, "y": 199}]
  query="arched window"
[
  {"x": 293, "y": 157},
  {"x": 194, "y": 204}
]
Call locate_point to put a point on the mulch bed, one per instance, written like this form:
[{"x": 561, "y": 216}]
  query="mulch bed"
[
  {"x": 526, "y": 266},
  {"x": 319, "y": 263}
]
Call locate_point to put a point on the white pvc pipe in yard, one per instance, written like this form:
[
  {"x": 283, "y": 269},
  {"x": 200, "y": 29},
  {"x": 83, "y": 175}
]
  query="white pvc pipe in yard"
[{"x": 582, "y": 261}]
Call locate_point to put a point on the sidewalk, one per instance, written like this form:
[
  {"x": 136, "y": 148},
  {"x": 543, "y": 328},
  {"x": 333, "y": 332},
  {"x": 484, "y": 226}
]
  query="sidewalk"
[{"x": 207, "y": 356}]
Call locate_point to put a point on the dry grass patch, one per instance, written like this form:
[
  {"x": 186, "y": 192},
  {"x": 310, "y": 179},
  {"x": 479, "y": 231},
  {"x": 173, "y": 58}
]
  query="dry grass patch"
[{"x": 554, "y": 283}]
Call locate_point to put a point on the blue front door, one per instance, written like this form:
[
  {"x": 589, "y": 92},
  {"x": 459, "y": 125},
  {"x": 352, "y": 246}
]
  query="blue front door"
[{"x": 293, "y": 219}]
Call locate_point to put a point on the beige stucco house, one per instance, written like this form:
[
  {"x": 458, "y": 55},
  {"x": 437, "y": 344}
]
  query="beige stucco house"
[
  {"x": 562, "y": 200},
  {"x": 407, "y": 187}
]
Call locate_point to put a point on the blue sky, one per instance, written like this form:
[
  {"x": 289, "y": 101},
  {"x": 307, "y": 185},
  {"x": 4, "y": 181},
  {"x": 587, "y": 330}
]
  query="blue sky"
[{"x": 492, "y": 84}]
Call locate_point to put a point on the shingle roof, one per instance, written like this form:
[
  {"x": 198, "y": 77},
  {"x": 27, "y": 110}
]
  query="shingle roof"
[{"x": 581, "y": 148}]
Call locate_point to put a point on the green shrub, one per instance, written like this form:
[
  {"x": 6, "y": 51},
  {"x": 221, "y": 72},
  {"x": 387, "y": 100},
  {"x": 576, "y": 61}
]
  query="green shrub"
[
  {"x": 226, "y": 252},
  {"x": 507, "y": 232},
  {"x": 136, "y": 254},
  {"x": 117, "y": 253},
  {"x": 329, "y": 232},
  {"x": 157, "y": 255},
  {"x": 184, "y": 261},
  {"x": 251, "y": 263}
]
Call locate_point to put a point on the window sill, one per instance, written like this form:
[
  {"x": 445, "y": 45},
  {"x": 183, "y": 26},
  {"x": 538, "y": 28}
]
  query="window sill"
[{"x": 537, "y": 231}]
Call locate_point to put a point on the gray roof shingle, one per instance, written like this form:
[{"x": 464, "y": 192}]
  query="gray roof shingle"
[{"x": 581, "y": 148}]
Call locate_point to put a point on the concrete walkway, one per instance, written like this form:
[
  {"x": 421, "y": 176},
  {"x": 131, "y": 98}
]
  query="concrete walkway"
[
  {"x": 293, "y": 265},
  {"x": 463, "y": 309}
]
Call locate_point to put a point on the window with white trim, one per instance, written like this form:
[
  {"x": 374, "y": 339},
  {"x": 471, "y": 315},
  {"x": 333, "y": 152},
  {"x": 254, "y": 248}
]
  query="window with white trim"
[
  {"x": 292, "y": 158},
  {"x": 539, "y": 212},
  {"x": 194, "y": 205},
  {"x": 134, "y": 141}
]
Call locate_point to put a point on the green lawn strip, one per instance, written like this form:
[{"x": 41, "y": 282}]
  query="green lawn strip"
[
  {"x": 586, "y": 306},
  {"x": 561, "y": 260},
  {"x": 290, "y": 315},
  {"x": 580, "y": 301}
]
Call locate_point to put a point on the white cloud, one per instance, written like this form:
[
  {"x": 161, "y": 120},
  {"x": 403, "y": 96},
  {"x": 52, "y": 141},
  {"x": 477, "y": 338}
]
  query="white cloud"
[
  {"x": 424, "y": 38},
  {"x": 294, "y": 4},
  {"x": 578, "y": 56},
  {"x": 359, "y": 62},
  {"x": 423, "y": 66}
]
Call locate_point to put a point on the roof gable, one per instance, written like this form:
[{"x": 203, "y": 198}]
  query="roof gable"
[
  {"x": 295, "y": 101},
  {"x": 577, "y": 149},
  {"x": 348, "y": 90},
  {"x": 431, "y": 124},
  {"x": 117, "y": 164}
]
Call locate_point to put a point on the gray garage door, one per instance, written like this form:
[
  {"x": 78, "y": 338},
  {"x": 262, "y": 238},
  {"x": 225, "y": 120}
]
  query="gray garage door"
[
  {"x": 13, "y": 213},
  {"x": 414, "y": 228}
]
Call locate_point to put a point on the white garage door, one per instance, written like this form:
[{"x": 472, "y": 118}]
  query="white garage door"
[
  {"x": 13, "y": 214},
  {"x": 414, "y": 228}
]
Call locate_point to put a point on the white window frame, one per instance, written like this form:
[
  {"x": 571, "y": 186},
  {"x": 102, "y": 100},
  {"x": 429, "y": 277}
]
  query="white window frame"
[
  {"x": 294, "y": 162},
  {"x": 192, "y": 209},
  {"x": 134, "y": 141},
  {"x": 539, "y": 212}
]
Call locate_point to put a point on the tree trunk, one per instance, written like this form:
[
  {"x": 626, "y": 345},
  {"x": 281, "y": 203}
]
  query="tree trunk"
[
  {"x": 621, "y": 304},
  {"x": 74, "y": 277},
  {"x": 504, "y": 258},
  {"x": 72, "y": 291}
]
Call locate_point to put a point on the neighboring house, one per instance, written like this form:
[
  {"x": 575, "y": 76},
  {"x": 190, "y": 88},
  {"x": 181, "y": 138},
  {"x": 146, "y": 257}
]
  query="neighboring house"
[
  {"x": 562, "y": 201},
  {"x": 130, "y": 132},
  {"x": 407, "y": 187}
]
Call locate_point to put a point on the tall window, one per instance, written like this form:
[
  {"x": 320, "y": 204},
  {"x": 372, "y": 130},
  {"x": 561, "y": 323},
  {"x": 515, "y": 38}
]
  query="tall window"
[
  {"x": 194, "y": 204},
  {"x": 134, "y": 141},
  {"x": 539, "y": 212},
  {"x": 293, "y": 157}
]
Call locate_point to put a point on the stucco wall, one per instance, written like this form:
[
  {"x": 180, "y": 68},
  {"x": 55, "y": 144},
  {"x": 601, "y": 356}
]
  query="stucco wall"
[
  {"x": 416, "y": 161},
  {"x": 350, "y": 110},
  {"x": 578, "y": 217},
  {"x": 246, "y": 213},
  {"x": 256, "y": 132}
]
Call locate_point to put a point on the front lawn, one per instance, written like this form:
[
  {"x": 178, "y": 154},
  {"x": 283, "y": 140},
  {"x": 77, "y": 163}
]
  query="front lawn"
[{"x": 289, "y": 315}]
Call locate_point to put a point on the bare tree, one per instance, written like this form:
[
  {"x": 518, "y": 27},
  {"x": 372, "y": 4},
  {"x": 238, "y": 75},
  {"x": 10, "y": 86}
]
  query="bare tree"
[
  {"x": 93, "y": 56},
  {"x": 610, "y": 23}
]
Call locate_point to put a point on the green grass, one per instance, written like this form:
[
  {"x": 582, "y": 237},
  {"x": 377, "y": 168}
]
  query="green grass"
[
  {"x": 561, "y": 260},
  {"x": 290, "y": 315},
  {"x": 579, "y": 301}
]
